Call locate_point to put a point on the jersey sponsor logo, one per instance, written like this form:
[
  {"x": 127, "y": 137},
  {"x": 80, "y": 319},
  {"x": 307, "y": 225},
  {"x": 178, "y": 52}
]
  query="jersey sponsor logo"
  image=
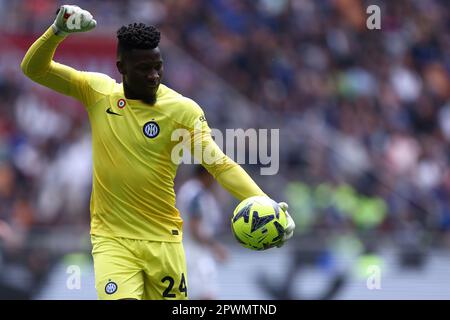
[
  {"x": 110, "y": 287},
  {"x": 121, "y": 103},
  {"x": 151, "y": 129},
  {"x": 175, "y": 232},
  {"x": 109, "y": 110}
]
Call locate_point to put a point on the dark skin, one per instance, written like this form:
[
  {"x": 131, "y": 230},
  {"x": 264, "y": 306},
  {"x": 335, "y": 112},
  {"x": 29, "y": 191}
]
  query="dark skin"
[{"x": 142, "y": 71}]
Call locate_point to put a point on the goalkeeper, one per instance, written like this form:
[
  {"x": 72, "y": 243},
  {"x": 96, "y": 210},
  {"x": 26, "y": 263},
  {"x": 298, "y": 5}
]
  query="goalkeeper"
[{"x": 136, "y": 230}]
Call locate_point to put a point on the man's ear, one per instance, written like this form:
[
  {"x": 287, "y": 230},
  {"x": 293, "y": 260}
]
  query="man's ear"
[{"x": 120, "y": 67}]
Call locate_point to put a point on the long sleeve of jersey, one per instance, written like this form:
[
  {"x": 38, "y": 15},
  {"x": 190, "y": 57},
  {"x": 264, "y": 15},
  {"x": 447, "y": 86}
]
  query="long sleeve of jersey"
[
  {"x": 231, "y": 176},
  {"x": 38, "y": 65},
  {"x": 239, "y": 183}
]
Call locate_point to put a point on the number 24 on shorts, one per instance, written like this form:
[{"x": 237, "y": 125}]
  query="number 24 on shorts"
[{"x": 182, "y": 287}]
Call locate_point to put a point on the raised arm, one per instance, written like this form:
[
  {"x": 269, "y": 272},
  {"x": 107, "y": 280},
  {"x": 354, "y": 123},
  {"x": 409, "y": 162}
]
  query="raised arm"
[{"x": 38, "y": 62}]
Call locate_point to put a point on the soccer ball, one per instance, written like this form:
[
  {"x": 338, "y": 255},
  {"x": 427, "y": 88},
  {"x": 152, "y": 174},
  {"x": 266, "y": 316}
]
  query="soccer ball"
[{"x": 258, "y": 223}]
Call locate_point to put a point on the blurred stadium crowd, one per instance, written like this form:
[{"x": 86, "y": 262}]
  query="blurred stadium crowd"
[{"x": 364, "y": 115}]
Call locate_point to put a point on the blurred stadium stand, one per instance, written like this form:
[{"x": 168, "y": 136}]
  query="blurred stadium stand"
[{"x": 364, "y": 118}]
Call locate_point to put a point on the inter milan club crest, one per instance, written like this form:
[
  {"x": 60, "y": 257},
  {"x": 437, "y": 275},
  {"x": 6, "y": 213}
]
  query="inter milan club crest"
[
  {"x": 121, "y": 103},
  {"x": 151, "y": 129},
  {"x": 110, "y": 287}
]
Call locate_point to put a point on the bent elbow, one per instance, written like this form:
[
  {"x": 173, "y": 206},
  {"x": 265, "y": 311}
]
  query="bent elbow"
[
  {"x": 32, "y": 73},
  {"x": 24, "y": 65}
]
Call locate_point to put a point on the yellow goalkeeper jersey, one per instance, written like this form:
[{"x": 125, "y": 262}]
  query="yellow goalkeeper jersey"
[{"x": 133, "y": 168}]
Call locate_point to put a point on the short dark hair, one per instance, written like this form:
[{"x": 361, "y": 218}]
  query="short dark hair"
[{"x": 137, "y": 36}]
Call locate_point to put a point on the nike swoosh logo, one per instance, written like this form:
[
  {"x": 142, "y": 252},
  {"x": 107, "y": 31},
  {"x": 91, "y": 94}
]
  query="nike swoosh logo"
[{"x": 109, "y": 110}]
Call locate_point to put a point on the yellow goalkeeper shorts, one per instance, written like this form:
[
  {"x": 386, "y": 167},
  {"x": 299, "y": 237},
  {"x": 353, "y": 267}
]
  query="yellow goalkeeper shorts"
[{"x": 138, "y": 269}]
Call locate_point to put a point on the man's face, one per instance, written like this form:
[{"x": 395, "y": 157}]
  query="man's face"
[{"x": 142, "y": 71}]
